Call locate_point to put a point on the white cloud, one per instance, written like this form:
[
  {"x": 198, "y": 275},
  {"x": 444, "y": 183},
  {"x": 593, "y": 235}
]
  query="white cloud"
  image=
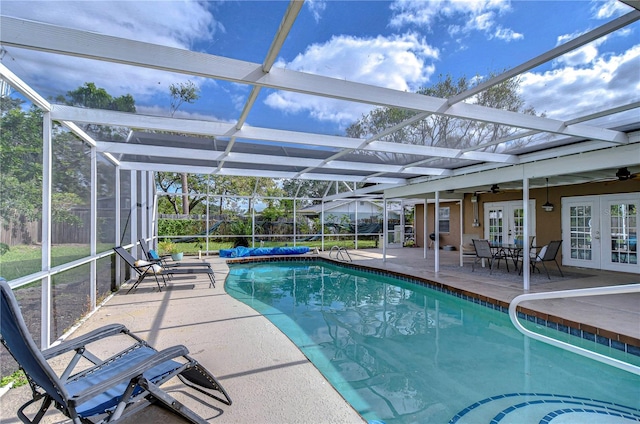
[
  {"x": 400, "y": 62},
  {"x": 179, "y": 24},
  {"x": 583, "y": 55},
  {"x": 171, "y": 23},
  {"x": 609, "y": 9},
  {"x": 571, "y": 91},
  {"x": 507, "y": 34},
  {"x": 467, "y": 16},
  {"x": 316, "y": 7}
]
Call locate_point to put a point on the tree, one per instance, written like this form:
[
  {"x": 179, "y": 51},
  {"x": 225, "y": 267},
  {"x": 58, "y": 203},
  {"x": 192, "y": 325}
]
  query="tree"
[
  {"x": 91, "y": 96},
  {"x": 183, "y": 93},
  {"x": 441, "y": 130},
  {"x": 21, "y": 161}
]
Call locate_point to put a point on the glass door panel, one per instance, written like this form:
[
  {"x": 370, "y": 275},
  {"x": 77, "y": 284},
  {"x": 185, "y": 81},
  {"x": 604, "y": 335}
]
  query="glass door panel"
[
  {"x": 581, "y": 231},
  {"x": 495, "y": 227},
  {"x": 623, "y": 228},
  {"x": 504, "y": 221}
]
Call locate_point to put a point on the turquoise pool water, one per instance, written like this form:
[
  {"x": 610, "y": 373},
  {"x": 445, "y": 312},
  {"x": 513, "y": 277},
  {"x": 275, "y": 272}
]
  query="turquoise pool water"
[{"x": 403, "y": 353}]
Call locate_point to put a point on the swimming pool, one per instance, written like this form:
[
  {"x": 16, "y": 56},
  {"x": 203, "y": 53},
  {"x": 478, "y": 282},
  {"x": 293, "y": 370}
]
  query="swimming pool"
[{"x": 402, "y": 353}]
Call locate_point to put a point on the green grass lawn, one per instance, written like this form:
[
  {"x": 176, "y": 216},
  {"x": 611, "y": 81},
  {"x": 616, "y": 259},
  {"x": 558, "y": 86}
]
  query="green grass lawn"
[{"x": 23, "y": 260}]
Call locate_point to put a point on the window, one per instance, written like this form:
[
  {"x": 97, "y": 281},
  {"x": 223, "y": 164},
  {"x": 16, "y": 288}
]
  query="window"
[{"x": 443, "y": 220}]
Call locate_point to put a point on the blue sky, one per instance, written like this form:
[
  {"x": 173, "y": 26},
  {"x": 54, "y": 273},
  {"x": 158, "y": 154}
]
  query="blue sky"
[{"x": 403, "y": 45}]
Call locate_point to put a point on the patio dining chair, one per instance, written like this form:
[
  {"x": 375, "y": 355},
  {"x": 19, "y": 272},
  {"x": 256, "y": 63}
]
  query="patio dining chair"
[
  {"x": 92, "y": 389},
  {"x": 484, "y": 251},
  {"x": 547, "y": 253},
  {"x": 146, "y": 269}
]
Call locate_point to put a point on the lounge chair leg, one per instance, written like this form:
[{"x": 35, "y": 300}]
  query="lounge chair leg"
[
  {"x": 170, "y": 402},
  {"x": 198, "y": 378},
  {"x": 43, "y": 409}
]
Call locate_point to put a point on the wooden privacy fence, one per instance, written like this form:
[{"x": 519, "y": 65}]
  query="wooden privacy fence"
[{"x": 15, "y": 233}]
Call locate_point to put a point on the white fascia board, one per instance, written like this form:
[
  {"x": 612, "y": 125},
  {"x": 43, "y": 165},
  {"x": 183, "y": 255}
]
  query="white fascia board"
[
  {"x": 612, "y": 157},
  {"x": 162, "y": 167},
  {"x": 322, "y": 177},
  {"x": 384, "y": 168},
  {"x": 623, "y": 155},
  {"x": 133, "y": 120},
  {"x": 490, "y": 157},
  {"x": 296, "y": 137},
  {"x": 360, "y": 166},
  {"x": 157, "y": 151},
  {"x": 365, "y": 191},
  {"x": 46, "y": 37},
  {"x": 24, "y": 89},
  {"x": 272, "y": 160},
  {"x": 427, "y": 171},
  {"x": 413, "y": 149},
  {"x": 352, "y": 178}
]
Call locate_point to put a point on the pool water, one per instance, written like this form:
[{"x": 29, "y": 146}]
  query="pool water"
[{"x": 403, "y": 353}]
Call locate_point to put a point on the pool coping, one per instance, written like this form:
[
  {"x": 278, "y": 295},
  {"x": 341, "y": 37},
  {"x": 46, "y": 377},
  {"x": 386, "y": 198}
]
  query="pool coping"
[{"x": 607, "y": 338}]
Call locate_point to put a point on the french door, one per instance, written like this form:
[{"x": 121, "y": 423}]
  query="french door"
[
  {"x": 601, "y": 231},
  {"x": 504, "y": 221}
]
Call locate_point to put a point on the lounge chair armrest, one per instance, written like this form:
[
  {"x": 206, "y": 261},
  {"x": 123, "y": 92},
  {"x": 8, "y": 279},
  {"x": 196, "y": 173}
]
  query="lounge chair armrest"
[
  {"x": 81, "y": 341},
  {"x": 128, "y": 374}
]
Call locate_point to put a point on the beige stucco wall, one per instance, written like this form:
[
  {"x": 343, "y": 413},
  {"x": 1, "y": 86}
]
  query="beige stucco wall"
[{"x": 548, "y": 224}]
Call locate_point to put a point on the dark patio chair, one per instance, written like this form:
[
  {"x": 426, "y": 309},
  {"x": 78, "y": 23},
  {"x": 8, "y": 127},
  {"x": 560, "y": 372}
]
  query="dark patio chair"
[
  {"x": 152, "y": 256},
  {"x": 104, "y": 390},
  {"x": 547, "y": 253},
  {"x": 484, "y": 251},
  {"x": 145, "y": 269}
]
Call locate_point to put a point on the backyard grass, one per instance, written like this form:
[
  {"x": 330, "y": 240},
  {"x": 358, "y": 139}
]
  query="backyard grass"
[{"x": 22, "y": 260}]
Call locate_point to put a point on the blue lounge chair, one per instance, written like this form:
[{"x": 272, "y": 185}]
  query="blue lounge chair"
[
  {"x": 150, "y": 269},
  {"x": 108, "y": 389}
]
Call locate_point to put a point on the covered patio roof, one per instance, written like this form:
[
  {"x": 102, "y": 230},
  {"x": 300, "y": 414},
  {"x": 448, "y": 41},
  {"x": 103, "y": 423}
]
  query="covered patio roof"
[{"x": 585, "y": 148}]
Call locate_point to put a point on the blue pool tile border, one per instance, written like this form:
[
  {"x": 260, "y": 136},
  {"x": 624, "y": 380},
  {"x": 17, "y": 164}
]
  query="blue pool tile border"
[{"x": 600, "y": 336}]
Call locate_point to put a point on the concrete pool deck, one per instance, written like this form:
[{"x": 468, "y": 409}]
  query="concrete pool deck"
[{"x": 268, "y": 378}]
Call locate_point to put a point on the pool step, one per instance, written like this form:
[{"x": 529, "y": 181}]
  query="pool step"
[{"x": 544, "y": 408}]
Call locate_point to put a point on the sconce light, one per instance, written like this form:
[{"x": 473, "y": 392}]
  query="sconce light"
[
  {"x": 474, "y": 202},
  {"x": 548, "y": 207}
]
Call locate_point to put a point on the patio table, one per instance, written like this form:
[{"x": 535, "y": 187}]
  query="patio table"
[{"x": 508, "y": 251}]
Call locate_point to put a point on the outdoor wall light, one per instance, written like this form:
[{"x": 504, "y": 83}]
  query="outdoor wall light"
[
  {"x": 548, "y": 207},
  {"x": 474, "y": 202}
]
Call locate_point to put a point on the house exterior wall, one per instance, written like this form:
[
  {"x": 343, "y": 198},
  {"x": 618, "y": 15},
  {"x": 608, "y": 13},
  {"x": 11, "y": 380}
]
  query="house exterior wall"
[
  {"x": 449, "y": 238},
  {"x": 548, "y": 224}
]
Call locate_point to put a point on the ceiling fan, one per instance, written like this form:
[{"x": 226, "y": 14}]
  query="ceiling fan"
[{"x": 623, "y": 174}]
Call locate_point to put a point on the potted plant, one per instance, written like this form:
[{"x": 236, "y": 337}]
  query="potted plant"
[{"x": 170, "y": 248}]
